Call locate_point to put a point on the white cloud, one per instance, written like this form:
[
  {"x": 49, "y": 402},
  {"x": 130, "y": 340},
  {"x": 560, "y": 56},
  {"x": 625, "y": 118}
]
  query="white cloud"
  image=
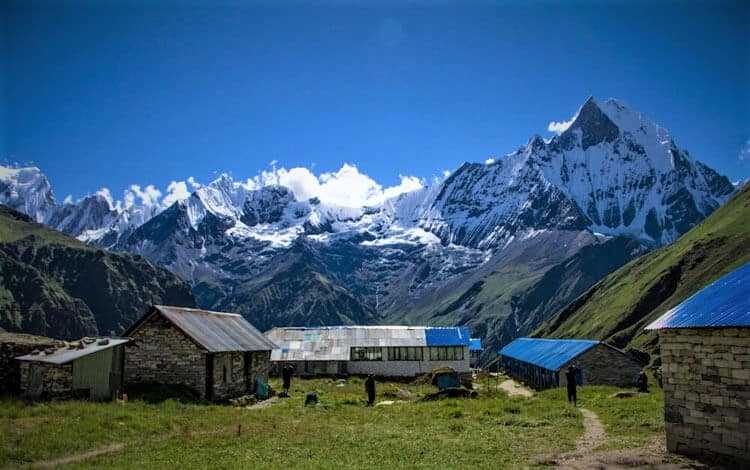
[
  {"x": 407, "y": 185},
  {"x": 176, "y": 191},
  {"x": 149, "y": 195},
  {"x": 745, "y": 152},
  {"x": 446, "y": 173},
  {"x": 489, "y": 161},
  {"x": 193, "y": 184},
  {"x": 68, "y": 199},
  {"x": 560, "y": 127},
  {"x": 104, "y": 192}
]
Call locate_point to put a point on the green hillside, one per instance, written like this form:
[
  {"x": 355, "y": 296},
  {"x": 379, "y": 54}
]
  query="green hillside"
[
  {"x": 618, "y": 307},
  {"x": 54, "y": 285}
]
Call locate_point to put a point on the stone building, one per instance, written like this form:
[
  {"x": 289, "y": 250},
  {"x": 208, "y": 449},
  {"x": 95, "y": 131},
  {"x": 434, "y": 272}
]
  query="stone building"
[
  {"x": 705, "y": 352},
  {"x": 90, "y": 368},
  {"x": 542, "y": 363},
  {"x": 219, "y": 355},
  {"x": 386, "y": 351},
  {"x": 13, "y": 345}
]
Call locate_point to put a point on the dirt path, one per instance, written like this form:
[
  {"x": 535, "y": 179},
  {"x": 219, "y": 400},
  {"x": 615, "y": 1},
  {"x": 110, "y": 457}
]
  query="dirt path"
[
  {"x": 513, "y": 388},
  {"x": 584, "y": 457},
  {"x": 78, "y": 457}
]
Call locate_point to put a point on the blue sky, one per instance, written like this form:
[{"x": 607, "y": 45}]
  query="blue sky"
[{"x": 119, "y": 93}]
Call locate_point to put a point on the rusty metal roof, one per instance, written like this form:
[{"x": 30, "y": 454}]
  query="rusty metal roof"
[
  {"x": 333, "y": 343},
  {"x": 216, "y": 331},
  {"x": 73, "y": 351}
]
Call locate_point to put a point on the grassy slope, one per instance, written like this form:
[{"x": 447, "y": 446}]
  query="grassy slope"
[
  {"x": 494, "y": 430},
  {"x": 618, "y": 307},
  {"x": 55, "y": 285}
]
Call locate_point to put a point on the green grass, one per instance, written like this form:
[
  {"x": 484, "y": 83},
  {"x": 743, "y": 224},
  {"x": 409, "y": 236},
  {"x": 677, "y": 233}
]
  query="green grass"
[
  {"x": 619, "y": 306},
  {"x": 493, "y": 430}
]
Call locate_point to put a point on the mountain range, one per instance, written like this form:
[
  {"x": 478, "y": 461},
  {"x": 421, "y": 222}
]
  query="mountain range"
[{"x": 498, "y": 246}]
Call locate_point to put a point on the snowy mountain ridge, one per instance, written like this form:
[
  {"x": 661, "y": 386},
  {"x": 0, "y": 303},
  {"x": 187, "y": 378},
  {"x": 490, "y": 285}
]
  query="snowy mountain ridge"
[{"x": 612, "y": 171}]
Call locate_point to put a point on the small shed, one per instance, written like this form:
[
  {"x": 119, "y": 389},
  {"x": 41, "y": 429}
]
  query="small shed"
[
  {"x": 89, "y": 368},
  {"x": 217, "y": 354},
  {"x": 705, "y": 353},
  {"x": 386, "y": 351},
  {"x": 542, "y": 363},
  {"x": 13, "y": 345},
  {"x": 475, "y": 349}
]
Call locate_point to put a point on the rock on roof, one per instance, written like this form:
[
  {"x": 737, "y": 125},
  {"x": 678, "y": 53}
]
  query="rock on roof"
[{"x": 213, "y": 331}]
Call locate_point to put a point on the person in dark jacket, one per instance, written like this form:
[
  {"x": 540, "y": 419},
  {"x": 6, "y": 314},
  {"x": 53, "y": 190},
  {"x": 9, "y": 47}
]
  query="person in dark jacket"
[
  {"x": 570, "y": 376},
  {"x": 370, "y": 389},
  {"x": 641, "y": 383},
  {"x": 286, "y": 376}
]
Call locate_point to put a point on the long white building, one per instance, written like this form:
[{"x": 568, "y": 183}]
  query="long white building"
[{"x": 388, "y": 351}]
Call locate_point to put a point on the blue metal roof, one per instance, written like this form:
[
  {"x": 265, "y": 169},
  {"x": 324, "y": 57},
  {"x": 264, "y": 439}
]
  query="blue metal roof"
[
  {"x": 475, "y": 344},
  {"x": 547, "y": 353},
  {"x": 724, "y": 303},
  {"x": 449, "y": 336}
]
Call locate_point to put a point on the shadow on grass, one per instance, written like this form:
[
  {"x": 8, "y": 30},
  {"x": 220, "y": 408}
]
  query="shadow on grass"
[{"x": 157, "y": 393}]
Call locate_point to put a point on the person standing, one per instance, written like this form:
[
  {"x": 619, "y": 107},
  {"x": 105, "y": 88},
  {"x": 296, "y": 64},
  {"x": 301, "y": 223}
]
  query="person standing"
[
  {"x": 286, "y": 375},
  {"x": 370, "y": 389},
  {"x": 570, "y": 376},
  {"x": 641, "y": 383}
]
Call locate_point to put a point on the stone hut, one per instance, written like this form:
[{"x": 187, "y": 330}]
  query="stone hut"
[
  {"x": 219, "y": 355},
  {"x": 90, "y": 368},
  {"x": 13, "y": 345},
  {"x": 705, "y": 353},
  {"x": 542, "y": 363}
]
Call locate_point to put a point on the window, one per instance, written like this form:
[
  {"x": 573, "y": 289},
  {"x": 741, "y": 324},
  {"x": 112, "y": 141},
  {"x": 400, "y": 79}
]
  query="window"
[
  {"x": 367, "y": 354},
  {"x": 405, "y": 354},
  {"x": 447, "y": 353}
]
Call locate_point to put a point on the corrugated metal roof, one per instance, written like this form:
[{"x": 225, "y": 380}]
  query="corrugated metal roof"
[
  {"x": 71, "y": 353},
  {"x": 547, "y": 353},
  {"x": 724, "y": 303},
  {"x": 333, "y": 343},
  {"x": 217, "y": 331},
  {"x": 453, "y": 336},
  {"x": 475, "y": 344}
]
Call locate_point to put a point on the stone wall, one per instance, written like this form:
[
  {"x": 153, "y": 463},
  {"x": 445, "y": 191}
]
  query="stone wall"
[
  {"x": 57, "y": 380},
  {"x": 229, "y": 375},
  {"x": 706, "y": 375},
  {"x": 163, "y": 354},
  {"x": 13, "y": 345},
  {"x": 603, "y": 365}
]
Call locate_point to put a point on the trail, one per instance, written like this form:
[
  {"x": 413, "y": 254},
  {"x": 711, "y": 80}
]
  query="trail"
[
  {"x": 78, "y": 457},
  {"x": 584, "y": 457},
  {"x": 514, "y": 389}
]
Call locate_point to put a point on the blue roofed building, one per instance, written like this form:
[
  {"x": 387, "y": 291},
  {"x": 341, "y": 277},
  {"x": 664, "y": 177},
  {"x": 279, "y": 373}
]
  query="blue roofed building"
[
  {"x": 387, "y": 351},
  {"x": 705, "y": 353},
  {"x": 541, "y": 363}
]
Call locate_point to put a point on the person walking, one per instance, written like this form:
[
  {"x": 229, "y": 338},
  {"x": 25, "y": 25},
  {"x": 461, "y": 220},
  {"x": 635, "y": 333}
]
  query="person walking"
[
  {"x": 286, "y": 376},
  {"x": 570, "y": 376},
  {"x": 370, "y": 389}
]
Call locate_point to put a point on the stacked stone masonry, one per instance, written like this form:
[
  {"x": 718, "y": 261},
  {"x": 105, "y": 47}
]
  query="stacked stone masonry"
[
  {"x": 603, "y": 365},
  {"x": 706, "y": 375},
  {"x": 11, "y": 347},
  {"x": 57, "y": 380},
  {"x": 163, "y": 354}
]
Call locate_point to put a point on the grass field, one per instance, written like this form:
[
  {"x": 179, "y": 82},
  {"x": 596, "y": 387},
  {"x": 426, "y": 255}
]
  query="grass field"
[{"x": 492, "y": 431}]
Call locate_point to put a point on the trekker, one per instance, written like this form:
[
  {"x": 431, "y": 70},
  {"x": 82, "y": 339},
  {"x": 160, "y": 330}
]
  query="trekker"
[
  {"x": 641, "y": 383},
  {"x": 370, "y": 389},
  {"x": 286, "y": 375},
  {"x": 570, "y": 376}
]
